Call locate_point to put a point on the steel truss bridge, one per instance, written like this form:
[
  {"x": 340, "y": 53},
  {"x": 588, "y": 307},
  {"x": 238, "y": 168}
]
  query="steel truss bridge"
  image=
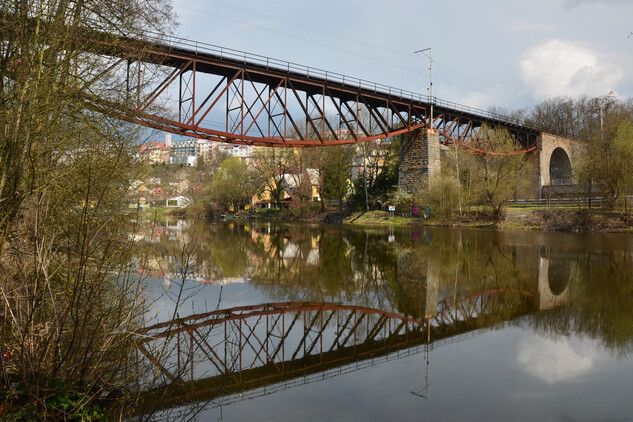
[
  {"x": 245, "y": 348},
  {"x": 226, "y": 95}
]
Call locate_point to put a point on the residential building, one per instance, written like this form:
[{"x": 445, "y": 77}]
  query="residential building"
[
  {"x": 244, "y": 152},
  {"x": 292, "y": 182},
  {"x": 182, "y": 151},
  {"x": 154, "y": 153},
  {"x": 177, "y": 201}
]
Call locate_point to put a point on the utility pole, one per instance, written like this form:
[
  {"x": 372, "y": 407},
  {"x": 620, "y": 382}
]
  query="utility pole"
[{"x": 431, "y": 98}]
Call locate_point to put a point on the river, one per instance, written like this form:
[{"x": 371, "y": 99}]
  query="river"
[{"x": 282, "y": 322}]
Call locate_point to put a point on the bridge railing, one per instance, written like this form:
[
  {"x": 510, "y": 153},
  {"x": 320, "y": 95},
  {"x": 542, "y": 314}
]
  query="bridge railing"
[
  {"x": 478, "y": 112},
  {"x": 285, "y": 66}
]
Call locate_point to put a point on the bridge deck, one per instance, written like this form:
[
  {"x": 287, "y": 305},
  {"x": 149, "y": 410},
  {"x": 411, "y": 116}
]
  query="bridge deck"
[{"x": 272, "y": 102}]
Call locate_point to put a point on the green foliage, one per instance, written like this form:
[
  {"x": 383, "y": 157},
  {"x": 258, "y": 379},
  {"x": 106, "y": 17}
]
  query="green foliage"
[
  {"x": 336, "y": 173},
  {"x": 265, "y": 213},
  {"x": 496, "y": 177},
  {"x": 607, "y": 162},
  {"x": 59, "y": 401},
  {"x": 232, "y": 186},
  {"x": 380, "y": 173},
  {"x": 443, "y": 198},
  {"x": 233, "y": 261},
  {"x": 623, "y": 152},
  {"x": 402, "y": 200}
]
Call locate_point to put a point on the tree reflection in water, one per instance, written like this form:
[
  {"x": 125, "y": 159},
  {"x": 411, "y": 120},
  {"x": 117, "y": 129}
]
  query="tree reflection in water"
[{"x": 459, "y": 280}]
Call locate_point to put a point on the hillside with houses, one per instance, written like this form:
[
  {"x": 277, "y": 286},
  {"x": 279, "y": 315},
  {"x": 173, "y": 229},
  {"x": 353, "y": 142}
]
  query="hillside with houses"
[{"x": 212, "y": 178}]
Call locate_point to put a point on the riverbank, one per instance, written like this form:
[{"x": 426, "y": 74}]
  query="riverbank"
[
  {"x": 570, "y": 220},
  {"x": 547, "y": 219}
]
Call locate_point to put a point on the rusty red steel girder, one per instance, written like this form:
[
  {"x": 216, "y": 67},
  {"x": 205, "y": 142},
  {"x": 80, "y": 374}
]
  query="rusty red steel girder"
[
  {"x": 243, "y": 346},
  {"x": 236, "y": 97}
]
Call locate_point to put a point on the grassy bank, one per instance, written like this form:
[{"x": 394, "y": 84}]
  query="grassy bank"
[
  {"x": 515, "y": 218},
  {"x": 380, "y": 218}
]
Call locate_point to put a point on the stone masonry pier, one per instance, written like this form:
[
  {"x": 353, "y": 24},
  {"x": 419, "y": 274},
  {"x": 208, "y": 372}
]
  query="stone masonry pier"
[
  {"x": 419, "y": 160},
  {"x": 549, "y": 170}
]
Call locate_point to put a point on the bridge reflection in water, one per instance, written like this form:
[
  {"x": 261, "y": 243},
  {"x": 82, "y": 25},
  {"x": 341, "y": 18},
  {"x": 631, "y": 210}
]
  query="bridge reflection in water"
[{"x": 253, "y": 347}]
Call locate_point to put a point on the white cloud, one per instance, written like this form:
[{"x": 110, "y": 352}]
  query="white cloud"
[
  {"x": 553, "y": 361},
  {"x": 564, "y": 68}
]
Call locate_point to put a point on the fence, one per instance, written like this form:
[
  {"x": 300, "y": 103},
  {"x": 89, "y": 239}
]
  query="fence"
[{"x": 578, "y": 202}]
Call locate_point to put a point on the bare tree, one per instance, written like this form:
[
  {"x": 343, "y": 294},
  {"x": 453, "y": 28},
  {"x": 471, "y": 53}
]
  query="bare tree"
[
  {"x": 69, "y": 304},
  {"x": 496, "y": 176}
]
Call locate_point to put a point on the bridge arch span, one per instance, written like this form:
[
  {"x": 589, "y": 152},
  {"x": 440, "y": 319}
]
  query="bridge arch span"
[
  {"x": 560, "y": 172},
  {"x": 231, "y": 350},
  {"x": 555, "y": 277},
  {"x": 557, "y": 157}
]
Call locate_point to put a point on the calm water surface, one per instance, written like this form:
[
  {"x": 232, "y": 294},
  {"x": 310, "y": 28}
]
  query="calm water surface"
[{"x": 266, "y": 322}]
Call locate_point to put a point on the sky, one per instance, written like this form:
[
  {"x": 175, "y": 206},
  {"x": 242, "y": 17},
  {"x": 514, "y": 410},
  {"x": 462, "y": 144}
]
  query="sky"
[{"x": 486, "y": 53}]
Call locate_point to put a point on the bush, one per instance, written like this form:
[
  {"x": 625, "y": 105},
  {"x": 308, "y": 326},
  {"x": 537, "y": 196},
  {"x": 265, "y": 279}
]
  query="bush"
[
  {"x": 401, "y": 200},
  {"x": 60, "y": 402},
  {"x": 267, "y": 213},
  {"x": 443, "y": 197}
]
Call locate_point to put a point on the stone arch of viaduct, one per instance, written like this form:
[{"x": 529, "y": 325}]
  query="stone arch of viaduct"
[
  {"x": 557, "y": 159},
  {"x": 550, "y": 169}
]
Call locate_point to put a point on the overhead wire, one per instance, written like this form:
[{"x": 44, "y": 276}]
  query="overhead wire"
[
  {"x": 383, "y": 35},
  {"x": 297, "y": 37},
  {"x": 277, "y": 19},
  {"x": 293, "y": 23}
]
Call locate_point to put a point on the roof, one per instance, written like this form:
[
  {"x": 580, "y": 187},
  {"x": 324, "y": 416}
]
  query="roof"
[{"x": 152, "y": 146}]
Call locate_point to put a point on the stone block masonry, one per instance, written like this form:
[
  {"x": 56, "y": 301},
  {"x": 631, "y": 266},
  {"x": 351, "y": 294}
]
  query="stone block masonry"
[
  {"x": 547, "y": 145},
  {"x": 419, "y": 160}
]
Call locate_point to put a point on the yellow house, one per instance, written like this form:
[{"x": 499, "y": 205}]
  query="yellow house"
[
  {"x": 263, "y": 199},
  {"x": 291, "y": 182}
]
